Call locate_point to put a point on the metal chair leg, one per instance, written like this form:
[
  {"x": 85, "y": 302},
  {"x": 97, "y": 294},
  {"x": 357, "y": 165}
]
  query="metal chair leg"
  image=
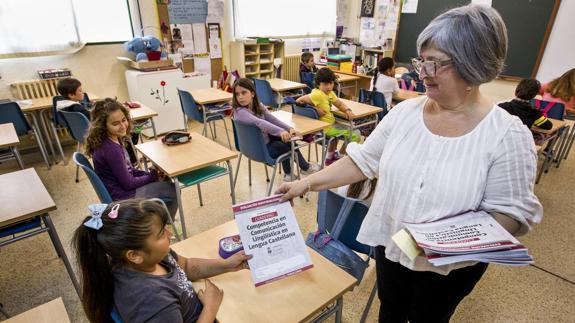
[
  {"x": 369, "y": 302},
  {"x": 237, "y": 170},
  {"x": 267, "y": 175},
  {"x": 271, "y": 184},
  {"x": 200, "y": 195},
  {"x": 227, "y": 133},
  {"x": 58, "y": 144},
  {"x": 78, "y": 167},
  {"x": 250, "y": 171}
]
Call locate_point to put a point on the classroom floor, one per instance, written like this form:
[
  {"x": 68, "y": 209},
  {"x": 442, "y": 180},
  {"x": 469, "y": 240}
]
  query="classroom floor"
[{"x": 31, "y": 273}]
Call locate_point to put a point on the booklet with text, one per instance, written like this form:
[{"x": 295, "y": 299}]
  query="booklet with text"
[{"x": 269, "y": 231}]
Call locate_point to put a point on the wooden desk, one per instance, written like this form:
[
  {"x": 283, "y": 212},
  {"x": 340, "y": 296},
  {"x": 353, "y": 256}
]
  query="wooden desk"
[
  {"x": 18, "y": 207},
  {"x": 51, "y": 312},
  {"x": 305, "y": 126},
  {"x": 281, "y": 85},
  {"x": 144, "y": 113},
  {"x": 553, "y": 139},
  {"x": 9, "y": 139},
  {"x": 346, "y": 78},
  {"x": 557, "y": 124},
  {"x": 178, "y": 160},
  {"x": 360, "y": 110},
  {"x": 403, "y": 95},
  {"x": 210, "y": 95},
  {"x": 293, "y": 299}
]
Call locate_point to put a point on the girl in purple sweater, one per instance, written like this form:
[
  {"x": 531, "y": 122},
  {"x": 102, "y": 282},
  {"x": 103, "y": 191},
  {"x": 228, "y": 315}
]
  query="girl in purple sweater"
[
  {"x": 110, "y": 127},
  {"x": 277, "y": 135}
]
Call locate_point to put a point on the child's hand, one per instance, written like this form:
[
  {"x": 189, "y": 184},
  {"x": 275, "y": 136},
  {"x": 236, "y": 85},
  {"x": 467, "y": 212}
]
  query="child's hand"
[
  {"x": 237, "y": 261},
  {"x": 286, "y": 136},
  {"x": 349, "y": 114},
  {"x": 211, "y": 297},
  {"x": 295, "y": 133}
]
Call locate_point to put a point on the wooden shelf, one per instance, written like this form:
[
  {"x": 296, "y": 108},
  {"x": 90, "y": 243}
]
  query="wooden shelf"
[{"x": 255, "y": 60}]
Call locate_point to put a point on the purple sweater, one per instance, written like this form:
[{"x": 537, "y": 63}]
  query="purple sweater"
[
  {"x": 269, "y": 124},
  {"x": 113, "y": 166}
]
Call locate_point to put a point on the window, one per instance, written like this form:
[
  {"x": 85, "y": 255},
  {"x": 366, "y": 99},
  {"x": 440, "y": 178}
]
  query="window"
[
  {"x": 32, "y": 27},
  {"x": 284, "y": 18}
]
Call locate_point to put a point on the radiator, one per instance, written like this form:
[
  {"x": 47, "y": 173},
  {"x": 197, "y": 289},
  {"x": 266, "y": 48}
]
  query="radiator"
[
  {"x": 34, "y": 89},
  {"x": 290, "y": 70}
]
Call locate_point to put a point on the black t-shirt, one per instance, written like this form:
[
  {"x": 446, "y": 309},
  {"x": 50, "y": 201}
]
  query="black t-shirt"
[
  {"x": 141, "y": 297},
  {"x": 528, "y": 114}
]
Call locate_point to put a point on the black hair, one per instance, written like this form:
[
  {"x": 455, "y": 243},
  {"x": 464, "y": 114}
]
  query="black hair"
[
  {"x": 98, "y": 251},
  {"x": 382, "y": 66},
  {"x": 356, "y": 188},
  {"x": 527, "y": 89},
  {"x": 68, "y": 86},
  {"x": 247, "y": 84},
  {"x": 306, "y": 56},
  {"x": 324, "y": 75}
]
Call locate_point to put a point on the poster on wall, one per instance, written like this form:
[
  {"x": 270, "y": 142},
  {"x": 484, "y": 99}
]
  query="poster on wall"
[
  {"x": 188, "y": 11},
  {"x": 409, "y": 6},
  {"x": 367, "y": 8}
]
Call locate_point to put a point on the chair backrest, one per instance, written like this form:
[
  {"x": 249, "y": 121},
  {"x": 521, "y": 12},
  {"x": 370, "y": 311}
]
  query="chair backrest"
[
  {"x": 56, "y": 117},
  {"x": 77, "y": 123},
  {"x": 236, "y": 142},
  {"x": 97, "y": 183},
  {"x": 550, "y": 109},
  {"x": 10, "y": 112},
  {"x": 305, "y": 110},
  {"x": 251, "y": 142},
  {"x": 189, "y": 106},
  {"x": 265, "y": 92},
  {"x": 374, "y": 98},
  {"x": 307, "y": 78},
  {"x": 329, "y": 205}
]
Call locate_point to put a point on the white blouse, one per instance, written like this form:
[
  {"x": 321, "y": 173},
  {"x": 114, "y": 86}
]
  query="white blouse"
[
  {"x": 386, "y": 85},
  {"x": 423, "y": 177}
]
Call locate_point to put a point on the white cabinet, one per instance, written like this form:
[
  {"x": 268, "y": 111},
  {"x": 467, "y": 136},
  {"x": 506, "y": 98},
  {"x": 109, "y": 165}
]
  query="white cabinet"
[{"x": 159, "y": 91}]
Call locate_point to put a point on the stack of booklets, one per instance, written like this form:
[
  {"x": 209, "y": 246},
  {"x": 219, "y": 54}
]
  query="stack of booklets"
[{"x": 473, "y": 236}]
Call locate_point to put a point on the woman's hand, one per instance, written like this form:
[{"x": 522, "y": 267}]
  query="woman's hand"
[
  {"x": 292, "y": 189},
  {"x": 237, "y": 261},
  {"x": 211, "y": 297},
  {"x": 286, "y": 136}
]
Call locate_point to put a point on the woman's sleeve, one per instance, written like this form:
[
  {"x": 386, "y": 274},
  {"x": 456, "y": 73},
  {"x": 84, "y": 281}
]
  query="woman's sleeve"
[
  {"x": 511, "y": 177},
  {"x": 127, "y": 181},
  {"x": 367, "y": 155}
]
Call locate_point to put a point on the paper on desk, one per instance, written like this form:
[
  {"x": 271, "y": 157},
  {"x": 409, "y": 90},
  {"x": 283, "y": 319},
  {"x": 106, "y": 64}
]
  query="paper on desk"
[{"x": 406, "y": 243}]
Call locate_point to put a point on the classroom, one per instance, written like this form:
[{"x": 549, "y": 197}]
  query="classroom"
[{"x": 353, "y": 161}]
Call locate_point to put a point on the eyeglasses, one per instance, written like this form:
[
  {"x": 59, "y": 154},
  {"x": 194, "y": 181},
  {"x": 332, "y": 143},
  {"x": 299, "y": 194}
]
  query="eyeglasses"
[{"x": 429, "y": 67}]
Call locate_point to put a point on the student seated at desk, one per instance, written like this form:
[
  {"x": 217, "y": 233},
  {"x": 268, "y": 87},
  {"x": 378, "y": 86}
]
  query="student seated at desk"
[
  {"x": 307, "y": 65},
  {"x": 322, "y": 98},
  {"x": 384, "y": 79},
  {"x": 126, "y": 264},
  {"x": 521, "y": 106},
  {"x": 71, "y": 90},
  {"x": 249, "y": 110},
  {"x": 561, "y": 89},
  {"x": 108, "y": 131}
]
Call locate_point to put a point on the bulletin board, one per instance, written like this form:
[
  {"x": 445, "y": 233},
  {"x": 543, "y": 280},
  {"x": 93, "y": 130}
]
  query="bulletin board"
[{"x": 183, "y": 27}]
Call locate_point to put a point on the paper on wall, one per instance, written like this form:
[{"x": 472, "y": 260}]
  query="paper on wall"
[
  {"x": 215, "y": 11},
  {"x": 409, "y": 6},
  {"x": 202, "y": 64},
  {"x": 482, "y": 2},
  {"x": 214, "y": 41},
  {"x": 200, "y": 43}
]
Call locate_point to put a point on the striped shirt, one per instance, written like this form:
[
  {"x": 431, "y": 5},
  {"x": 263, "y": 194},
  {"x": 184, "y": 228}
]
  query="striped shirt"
[{"x": 424, "y": 177}]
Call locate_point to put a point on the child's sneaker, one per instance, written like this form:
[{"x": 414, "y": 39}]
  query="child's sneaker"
[
  {"x": 331, "y": 160},
  {"x": 312, "y": 169},
  {"x": 287, "y": 178}
]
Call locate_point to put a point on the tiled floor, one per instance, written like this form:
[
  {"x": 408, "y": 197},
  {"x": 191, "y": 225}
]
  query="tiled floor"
[{"x": 31, "y": 273}]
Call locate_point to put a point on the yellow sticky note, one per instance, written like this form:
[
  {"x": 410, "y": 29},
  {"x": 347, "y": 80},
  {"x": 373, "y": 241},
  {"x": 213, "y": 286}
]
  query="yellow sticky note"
[{"x": 406, "y": 243}]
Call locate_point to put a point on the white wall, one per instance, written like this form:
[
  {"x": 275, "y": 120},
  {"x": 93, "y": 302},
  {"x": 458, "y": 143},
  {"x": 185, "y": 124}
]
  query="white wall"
[{"x": 559, "y": 53}]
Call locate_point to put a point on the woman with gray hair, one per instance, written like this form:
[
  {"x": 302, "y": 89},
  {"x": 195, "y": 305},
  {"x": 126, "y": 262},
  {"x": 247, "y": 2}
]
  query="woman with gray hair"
[{"x": 448, "y": 153}]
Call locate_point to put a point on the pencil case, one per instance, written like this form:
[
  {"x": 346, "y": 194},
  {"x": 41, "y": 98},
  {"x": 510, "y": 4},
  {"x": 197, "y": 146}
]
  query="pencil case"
[{"x": 229, "y": 246}]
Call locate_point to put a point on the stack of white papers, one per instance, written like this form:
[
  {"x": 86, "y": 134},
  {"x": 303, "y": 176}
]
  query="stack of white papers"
[{"x": 474, "y": 236}]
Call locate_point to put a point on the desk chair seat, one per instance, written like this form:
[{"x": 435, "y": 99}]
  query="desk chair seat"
[
  {"x": 252, "y": 144},
  {"x": 265, "y": 93},
  {"x": 10, "y": 112},
  {"x": 209, "y": 115},
  {"x": 78, "y": 125},
  {"x": 201, "y": 175}
]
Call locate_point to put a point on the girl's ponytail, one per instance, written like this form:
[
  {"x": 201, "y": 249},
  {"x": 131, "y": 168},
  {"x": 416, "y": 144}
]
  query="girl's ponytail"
[{"x": 96, "y": 275}]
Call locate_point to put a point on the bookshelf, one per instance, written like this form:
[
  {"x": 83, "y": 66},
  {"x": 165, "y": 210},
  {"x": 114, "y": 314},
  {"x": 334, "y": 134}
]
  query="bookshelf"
[
  {"x": 370, "y": 57},
  {"x": 256, "y": 60}
]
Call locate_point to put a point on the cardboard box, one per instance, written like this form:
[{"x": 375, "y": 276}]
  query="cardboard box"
[{"x": 149, "y": 65}]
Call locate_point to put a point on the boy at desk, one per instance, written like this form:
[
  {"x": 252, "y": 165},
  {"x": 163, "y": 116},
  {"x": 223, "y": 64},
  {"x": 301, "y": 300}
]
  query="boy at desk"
[
  {"x": 71, "y": 89},
  {"x": 321, "y": 98}
]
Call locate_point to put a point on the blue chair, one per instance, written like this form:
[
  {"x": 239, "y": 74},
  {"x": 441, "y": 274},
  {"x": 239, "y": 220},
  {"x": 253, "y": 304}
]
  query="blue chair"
[
  {"x": 307, "y": 78},
  {"x": 78, "y": 126},
  {"x": 97, "y": 184},
  {"x": 10, "y": 112},
  {"x": 252, "y": 145},
  {"x": 550, "y": 109},
  {"x": 205, "y": 116},
  {"x": 265, "y": 93},
  {"x": 374, "y": 98},
  {"x": 329, "y": 205},
  {"x": 57, "y": 123}
]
